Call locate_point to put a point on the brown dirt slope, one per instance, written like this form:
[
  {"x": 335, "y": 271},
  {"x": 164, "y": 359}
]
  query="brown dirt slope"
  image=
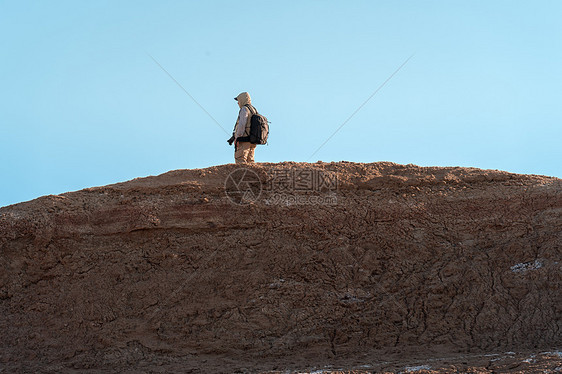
[{"x": 407, "y": 262}]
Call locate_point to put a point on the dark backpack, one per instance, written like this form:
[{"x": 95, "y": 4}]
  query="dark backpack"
[{"x": 259, "y": 127}]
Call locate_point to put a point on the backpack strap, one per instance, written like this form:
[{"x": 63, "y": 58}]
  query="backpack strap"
[{"x": 251, "y": 108}]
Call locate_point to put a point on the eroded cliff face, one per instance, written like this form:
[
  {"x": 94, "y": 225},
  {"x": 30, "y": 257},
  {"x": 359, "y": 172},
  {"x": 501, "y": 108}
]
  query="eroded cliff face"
[{"x": 392, "y": 260}]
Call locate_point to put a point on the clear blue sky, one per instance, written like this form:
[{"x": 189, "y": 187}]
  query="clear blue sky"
[{"x": 82, "y": 103}]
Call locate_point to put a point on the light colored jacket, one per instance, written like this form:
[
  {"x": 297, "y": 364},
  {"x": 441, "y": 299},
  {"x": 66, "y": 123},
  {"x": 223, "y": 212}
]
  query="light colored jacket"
[{"x": 242, "y": 127}]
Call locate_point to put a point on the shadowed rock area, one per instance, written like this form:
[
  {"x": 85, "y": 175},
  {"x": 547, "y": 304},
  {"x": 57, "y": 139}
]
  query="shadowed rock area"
[{"x": 392, "y": 264}]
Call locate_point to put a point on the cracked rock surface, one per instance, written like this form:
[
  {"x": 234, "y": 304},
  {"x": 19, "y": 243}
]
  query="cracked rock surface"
[{"x": 395, "y": 262}]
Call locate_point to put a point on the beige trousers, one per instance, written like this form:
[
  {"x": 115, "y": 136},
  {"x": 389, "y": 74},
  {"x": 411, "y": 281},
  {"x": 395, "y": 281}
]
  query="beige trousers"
[{"x": 244, "y": 152}]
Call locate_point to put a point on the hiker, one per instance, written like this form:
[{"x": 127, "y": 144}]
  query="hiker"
[{"x": 243, "y": 149}]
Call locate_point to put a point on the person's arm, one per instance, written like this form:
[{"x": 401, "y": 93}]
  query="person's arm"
[{"x": 242, "y": 119}]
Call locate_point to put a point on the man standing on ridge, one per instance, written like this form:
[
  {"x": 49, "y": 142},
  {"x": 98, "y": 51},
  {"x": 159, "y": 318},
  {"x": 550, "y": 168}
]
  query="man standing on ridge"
[{"x": 243, "y": 149}]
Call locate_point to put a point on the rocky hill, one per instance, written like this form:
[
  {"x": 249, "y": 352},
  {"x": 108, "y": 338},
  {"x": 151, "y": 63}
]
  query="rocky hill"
[{"x": 283, "y": 266}]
